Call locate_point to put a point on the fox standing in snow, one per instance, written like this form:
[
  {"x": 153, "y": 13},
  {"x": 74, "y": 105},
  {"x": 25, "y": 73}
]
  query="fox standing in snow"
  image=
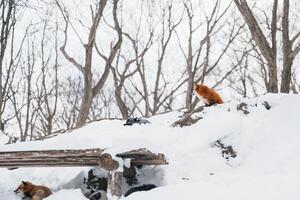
[
  {"x": 208, "y": 95},
  {"x": 35, "y": 192}
]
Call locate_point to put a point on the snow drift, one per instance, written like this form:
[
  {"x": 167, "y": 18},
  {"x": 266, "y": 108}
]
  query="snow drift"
[{"x": 266, "y": 142}]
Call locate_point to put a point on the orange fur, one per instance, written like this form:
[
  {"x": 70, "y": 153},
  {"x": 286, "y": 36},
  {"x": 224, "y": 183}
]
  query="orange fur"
[
  {"x": 35, "y": 192},
  {"x": 209, "y": 95}
]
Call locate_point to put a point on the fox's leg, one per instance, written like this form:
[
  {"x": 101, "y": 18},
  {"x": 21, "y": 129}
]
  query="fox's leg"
[
  {"x": 210, "y": 103},
  {"x": 206, "y": 102}
]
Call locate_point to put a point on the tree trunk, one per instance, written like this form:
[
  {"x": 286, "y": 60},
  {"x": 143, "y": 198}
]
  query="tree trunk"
[
  {"x": 286, "y": 50},
  {"x": 121, "y": 105},
  {"x": 189, "y": 64},
  {"x": 146, "y": 97},
  {"x": 268, "y": 52},
  {"x": 115, "y": 181},
  {"x": 87, "y": 98}
]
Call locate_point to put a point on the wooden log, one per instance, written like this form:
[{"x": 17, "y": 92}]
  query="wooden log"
[
  {"x": 46, "y": 153},
  {"x": 72, "y": 158},
  {"x": 47, "y": 158}
]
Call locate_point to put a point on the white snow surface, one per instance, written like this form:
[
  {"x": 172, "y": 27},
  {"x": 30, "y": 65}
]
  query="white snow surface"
[
  {"x": 67, "y": 194},
  {"x": 266, "y": 141}
]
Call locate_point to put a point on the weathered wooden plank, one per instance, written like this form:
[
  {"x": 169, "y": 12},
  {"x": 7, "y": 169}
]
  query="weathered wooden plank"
[
  {"x": 143, "y": 157},
  {"x": 139, "y": 153},
  {"x": 148, "y": 162},
  {"x": 53, "y": 152},
  {"x": 63, "y": 164},
  {"x": 46, "y": 158}
]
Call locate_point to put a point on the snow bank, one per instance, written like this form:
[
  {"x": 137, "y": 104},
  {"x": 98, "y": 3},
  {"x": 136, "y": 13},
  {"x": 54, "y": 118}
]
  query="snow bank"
[{"x": 266, "y": 142}]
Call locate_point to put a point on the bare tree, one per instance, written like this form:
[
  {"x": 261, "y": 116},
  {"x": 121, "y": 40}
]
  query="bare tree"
[
  {"x": 157, "y": 99},
  {"x": 7, "y": 23},
  {"x": 167, "y": 32},
  {"x": 70, "y": 95},
  {"x": 193, "y": 55},
  {"x": 90, "y": 91},
  {"x": 121, "y": 77},
  {"x": 102, "y": 105},
  {"x": 200, "y": 63},
  {"x": 289, "y": 53},
  {"x": 23, "y": 105},
  {"x": 269, "y": 51},
  {"x": 48, "y": 107}
]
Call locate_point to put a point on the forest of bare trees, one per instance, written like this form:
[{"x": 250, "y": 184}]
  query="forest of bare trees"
[{"x": 66, "y": 63}]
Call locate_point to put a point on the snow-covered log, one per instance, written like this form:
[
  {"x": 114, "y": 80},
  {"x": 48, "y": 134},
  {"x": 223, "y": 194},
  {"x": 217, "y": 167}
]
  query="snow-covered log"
[
  {"x": 46, "y": 158},
  {"x": 143, "y": 157},
  {"x": 73, "y": 158}
]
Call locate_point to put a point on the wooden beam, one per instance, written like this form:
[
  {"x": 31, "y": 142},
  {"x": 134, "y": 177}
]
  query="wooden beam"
[
  {"x": 143, "y": 157},
  {"x": 135, "y": 162},
  {"x": 47, "y": 158}
]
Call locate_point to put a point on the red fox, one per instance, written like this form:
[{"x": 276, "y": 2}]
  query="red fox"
[
  {"x": 35, "y": 192},
  {"x": 208, "y": 95}
]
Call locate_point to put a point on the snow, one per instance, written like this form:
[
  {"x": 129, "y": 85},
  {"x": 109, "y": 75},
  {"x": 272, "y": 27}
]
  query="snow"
[
  {"x": 266, "y": 141},
  {"x": 67, "y": 194},
  {"x": 3, "y": 138}
]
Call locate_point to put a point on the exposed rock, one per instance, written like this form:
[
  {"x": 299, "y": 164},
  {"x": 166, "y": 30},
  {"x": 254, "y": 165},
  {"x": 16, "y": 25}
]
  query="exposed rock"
[
  {"x": 187, "y": 118},
  {"x": 243, "y": 107},
  {"x": 145, "y": 187},
  {"x": 226, "y": 151},
  {"x": 95, "y": 185},
  {"x": 267, "y": 105}
]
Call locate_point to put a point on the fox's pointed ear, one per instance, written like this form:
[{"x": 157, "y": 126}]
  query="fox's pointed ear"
[{"x": 24, "y": 182}]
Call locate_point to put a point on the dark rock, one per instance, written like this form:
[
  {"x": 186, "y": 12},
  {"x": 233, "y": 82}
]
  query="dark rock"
[
  {"x": 187, "y": 119},
  {"x": 135, "y": 120},
  {"x": 145, "y": 187},
  {"x": 267, "y": 105},
  {"x": 95, "y": 185},
  {"x": 227, "y": 151},
  {"x": 243, "y": 107}
]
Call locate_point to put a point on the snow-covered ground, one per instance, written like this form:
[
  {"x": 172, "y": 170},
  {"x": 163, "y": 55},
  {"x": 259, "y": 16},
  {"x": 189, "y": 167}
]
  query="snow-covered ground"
[{"x": 266, "y": 142}]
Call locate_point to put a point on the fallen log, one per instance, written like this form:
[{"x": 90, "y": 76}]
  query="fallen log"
[
  {"x": 47, "y": 158},
  {"x": 73, "y": 158}
]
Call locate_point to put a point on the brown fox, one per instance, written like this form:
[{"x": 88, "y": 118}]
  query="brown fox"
[
  {"x": 35, "y": 192},
  {"x": 208, "y": 95}
]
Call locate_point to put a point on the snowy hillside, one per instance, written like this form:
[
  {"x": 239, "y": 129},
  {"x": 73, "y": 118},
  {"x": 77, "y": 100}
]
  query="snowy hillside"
[{"x": 266, "y": 143}]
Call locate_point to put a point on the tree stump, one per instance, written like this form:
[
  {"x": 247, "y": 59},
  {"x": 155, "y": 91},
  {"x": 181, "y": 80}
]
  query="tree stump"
[{"x": 115, "y": 181}]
